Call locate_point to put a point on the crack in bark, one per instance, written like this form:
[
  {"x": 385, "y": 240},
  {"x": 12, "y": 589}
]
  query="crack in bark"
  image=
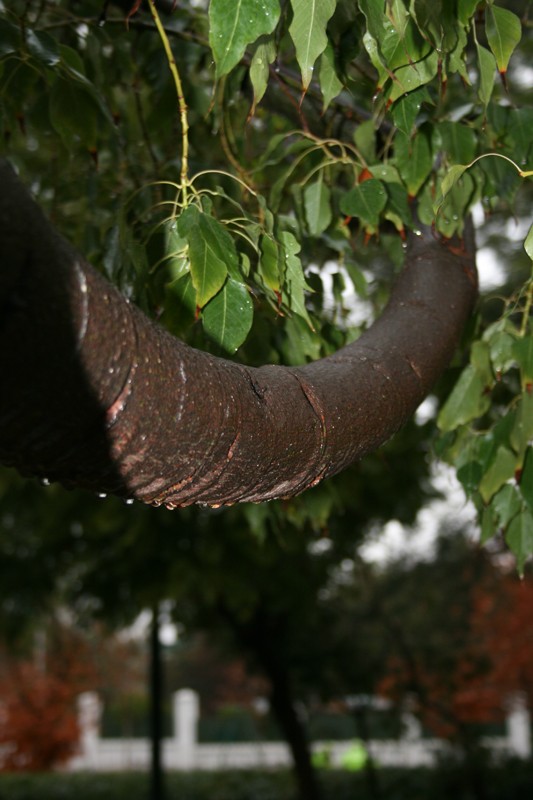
[{"x": 99, "y": 396}]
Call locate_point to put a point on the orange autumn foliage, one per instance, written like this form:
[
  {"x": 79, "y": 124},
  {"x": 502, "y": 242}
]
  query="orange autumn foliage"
[
  {"x": 495, "y": 663},
  {"x": 38, "y": 714}
]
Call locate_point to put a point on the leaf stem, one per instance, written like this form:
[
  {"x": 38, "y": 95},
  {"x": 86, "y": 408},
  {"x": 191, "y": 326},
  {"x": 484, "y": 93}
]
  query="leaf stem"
[
  {"x": 184, "y": 179},
  {"x": 521, "y": 172}
]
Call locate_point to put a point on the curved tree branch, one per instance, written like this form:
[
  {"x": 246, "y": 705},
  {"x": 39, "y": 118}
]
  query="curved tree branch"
[{"x": 96, "y": 395}]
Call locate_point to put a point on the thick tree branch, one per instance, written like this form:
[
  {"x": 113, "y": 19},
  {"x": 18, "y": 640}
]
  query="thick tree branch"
[{"x": 96, "y": 395}]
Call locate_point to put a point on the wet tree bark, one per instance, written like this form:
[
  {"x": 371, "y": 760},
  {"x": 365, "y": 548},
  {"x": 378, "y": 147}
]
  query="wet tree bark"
[{"x": 96, "y": 395}]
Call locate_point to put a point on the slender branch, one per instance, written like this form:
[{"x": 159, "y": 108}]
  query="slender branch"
[{"x": 184, "y": 180}]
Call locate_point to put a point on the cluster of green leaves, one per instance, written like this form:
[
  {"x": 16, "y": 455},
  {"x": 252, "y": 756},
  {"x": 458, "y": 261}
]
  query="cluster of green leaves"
[
  {"x": 205, "y": 248},
  {"x": 487, "y": 425},
  {"x": 311, "y": 127}
]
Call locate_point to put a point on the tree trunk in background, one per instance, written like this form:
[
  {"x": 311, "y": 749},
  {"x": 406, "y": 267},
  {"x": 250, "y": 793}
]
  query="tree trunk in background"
[
  {"x": 282, "y": 704},
  {"x": 260, "y": 636},
  {"x": 100, "y": 397}
]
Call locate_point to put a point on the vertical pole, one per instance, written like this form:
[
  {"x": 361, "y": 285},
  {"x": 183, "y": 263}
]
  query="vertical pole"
[{"x": 156, "y": 716}]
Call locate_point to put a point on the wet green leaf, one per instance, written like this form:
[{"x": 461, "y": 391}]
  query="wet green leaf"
[
  {"x": 308, "y": 32},
  {"x": 9, "y": 38},
  {"x": 228, "y": 317},
  {"x": 42, "y": 47},
  {"x": 501, "y": 351},
  {"x": 528, "y": 243},
  {"x": 330, "y": 85},
  {"x": 487, "y": 69},
  {"x": 74, "y": 113},
  {"x": 506, "y": 504},
  {"x": 414, "y": 159},
  {"x": 466, "y": 9},
  {"x": 365, "y": 201},
  {"x": 235, "y": 25},
  {"x": 264, "y": 55},
  {"x": 295, "y": 282},
  {"x": 269, "y": 263},
  {"x": 176, "y": 258},
  {"x": 411, "y": 76},
  {"x": 500, "y": 471},
  {"x": 317, "y": 203},
  {"x": 522, "y": 432},
  {"x": 519, "y": 537},
  {"x": 448, "y": 182},
  {"x": 458, "y": 140},
  {"x": 466, "y": 402},
  {"x": 504, "y": 31},
  {"x": 522, "y": 350},
  {"x": 211, "y": 252},
  {"x": 407, "y": 108}
]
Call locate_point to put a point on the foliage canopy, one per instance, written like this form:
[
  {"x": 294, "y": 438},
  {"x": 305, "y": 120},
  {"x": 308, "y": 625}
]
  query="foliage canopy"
[{"x": 217, "y": 160}]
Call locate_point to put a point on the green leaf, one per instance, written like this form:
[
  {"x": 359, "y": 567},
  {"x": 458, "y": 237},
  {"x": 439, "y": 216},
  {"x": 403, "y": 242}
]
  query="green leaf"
[
  {"x": 365, "y": 139},
  {"x": 10, "y": 39},
  {"x": 414, "y": 159},
  {"x": 308, "y": 32},
  {"x": 521, "y": 125},
  {"x": 519, "y": 537},
  {"x": 523, "y": 352},
  {"x": 489, "y": 524},
  {"x": 458, "y": 140},
  {"x": 269, "y": 263},
  {"x": 526, "y": 479},
  {"x": 469, "y": 476},
  {"x": 317, "y": 203},
  {"x": 302, "y": 343},
  {"x": 264, "y": 55},
  {"x": 398, "y": 209},
  {"x": 466, "y": 402},
  {"x": 466, "y": 10},
  {"x": 504, "y": 31},
  {"x": 411, "y": 76},
  {"x": 501, "y": 470},
  {"x": 237, "y": 24},
  {"x": 406, "y": 109},
  {"x": 448, "y": 182},
  {"x": 330, "y": 85},
  {"x": 528, "y": 243},
  {"x": 211, "y": 252},
  {"x": 365, "y": 201},
  {"x": 228, "y": 317},
  {"x": 74, "y": 113},
  {"x": 501, "y": 351},
  {"x": 175, "y": 256},
  {"x": 522, "y": 432},
  {"x": 180, "y": 312},
  {"x": 487, "y": 69},
  {"x": 43, "y": 48},
  {"x": 506, "y": 504},
  {"x": 294, "y": 276}
]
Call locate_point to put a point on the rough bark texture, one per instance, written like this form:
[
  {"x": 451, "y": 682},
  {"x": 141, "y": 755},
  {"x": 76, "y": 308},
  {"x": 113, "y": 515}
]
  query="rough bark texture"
[{"x": 96, "y": 395}]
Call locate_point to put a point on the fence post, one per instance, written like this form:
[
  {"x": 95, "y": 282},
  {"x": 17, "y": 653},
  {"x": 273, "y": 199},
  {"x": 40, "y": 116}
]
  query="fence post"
[
  {"x": 518, "y": 725},
  {"x": 89, "y": 715},
  {"x": 186, "y": 713}
]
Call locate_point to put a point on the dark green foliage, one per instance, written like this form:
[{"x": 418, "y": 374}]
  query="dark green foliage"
[{"x": 506, "y": 782}]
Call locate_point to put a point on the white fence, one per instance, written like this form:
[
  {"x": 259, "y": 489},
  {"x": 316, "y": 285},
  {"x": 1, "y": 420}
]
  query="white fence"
[{"x": 184, "y": 752}]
